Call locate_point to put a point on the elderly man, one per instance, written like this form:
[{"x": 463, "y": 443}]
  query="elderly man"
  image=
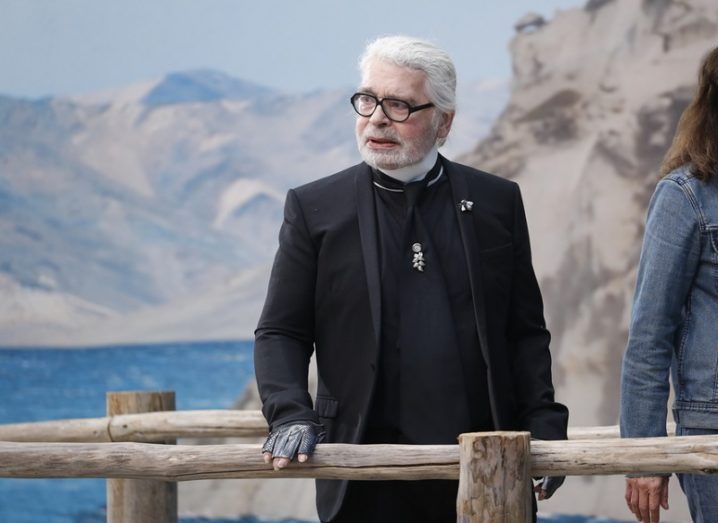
[{"x": 411, "y": 277}]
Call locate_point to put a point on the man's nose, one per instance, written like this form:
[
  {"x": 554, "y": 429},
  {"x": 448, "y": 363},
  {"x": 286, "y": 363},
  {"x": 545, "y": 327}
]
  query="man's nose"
[{"x": 379, "y": 117}]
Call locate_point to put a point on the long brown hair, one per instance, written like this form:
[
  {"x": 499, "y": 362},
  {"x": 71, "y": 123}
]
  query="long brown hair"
[{"x": 696, "y": 139}]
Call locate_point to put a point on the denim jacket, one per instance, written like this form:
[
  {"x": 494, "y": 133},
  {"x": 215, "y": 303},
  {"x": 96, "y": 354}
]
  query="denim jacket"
[{"x": 674, "y": 323}]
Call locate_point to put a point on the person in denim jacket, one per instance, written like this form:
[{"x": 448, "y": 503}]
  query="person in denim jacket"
[{"x": 674, "y": 324}]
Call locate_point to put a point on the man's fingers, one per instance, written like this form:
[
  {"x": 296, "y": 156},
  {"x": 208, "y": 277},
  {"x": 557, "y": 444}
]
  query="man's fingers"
[
  {"x": 540, "y": 491},
  {"x": 291, "y": 441},
  {"x": 657, "y": 496},
  {"x": 550, "y": 485},
  {"x": 643, "y": 514},
  {"x": 655, "y": 514},
  {"x": 654, "y": 506},
  {"x": 645, "y": 496},
  {"x": 286, "y": 445},
  {"x": 634, "y": 502},
  {"x": 308, "y": 442},
  {"x": 269, "y": 444},
  {"x": 280, "y": 463},
  {"x": 288, "y": 442}
]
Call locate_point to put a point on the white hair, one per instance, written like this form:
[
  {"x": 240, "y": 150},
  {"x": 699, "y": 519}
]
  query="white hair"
[{"x": 420, "y": 55}]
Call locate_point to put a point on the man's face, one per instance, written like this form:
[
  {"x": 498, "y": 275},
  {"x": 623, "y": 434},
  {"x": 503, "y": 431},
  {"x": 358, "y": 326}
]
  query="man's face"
[{"x": 386, "y": 144}]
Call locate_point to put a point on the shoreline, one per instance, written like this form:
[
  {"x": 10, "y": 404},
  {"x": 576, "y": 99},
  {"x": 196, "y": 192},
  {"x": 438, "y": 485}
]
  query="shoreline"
[{"x": 121, "y": 345}]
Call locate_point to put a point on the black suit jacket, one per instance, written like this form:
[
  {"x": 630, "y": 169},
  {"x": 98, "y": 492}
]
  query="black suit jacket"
[{"x": 324, "y": 294}]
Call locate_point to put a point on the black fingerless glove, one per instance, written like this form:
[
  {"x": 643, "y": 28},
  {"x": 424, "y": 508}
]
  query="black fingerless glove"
[
  {"x": 551, "y": 483},
  {"x": 290, "y": 439}
]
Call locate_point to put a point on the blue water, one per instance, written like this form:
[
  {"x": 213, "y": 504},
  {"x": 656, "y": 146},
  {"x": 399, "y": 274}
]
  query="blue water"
[{"x": 45, "y": 384}]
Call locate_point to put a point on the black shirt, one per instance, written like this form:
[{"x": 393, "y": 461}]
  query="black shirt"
[{"x": 438, "y": 216}]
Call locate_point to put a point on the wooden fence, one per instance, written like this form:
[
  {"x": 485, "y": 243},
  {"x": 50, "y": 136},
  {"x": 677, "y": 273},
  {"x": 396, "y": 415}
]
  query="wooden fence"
[{"x": 493, "y": 469}]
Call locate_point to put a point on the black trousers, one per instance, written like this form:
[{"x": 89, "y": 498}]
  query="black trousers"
[{"x": 426, "y": 501}]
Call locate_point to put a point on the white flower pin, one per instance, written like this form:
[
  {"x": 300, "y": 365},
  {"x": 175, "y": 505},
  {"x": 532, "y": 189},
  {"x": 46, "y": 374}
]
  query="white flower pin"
[{"x": 418, "y": 261}]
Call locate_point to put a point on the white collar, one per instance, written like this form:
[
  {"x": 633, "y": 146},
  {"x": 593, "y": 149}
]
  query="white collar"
[{"x": 417, "y": 171}]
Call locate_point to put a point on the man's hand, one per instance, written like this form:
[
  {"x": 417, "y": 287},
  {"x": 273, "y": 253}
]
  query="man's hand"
[
  {"x": 548, "y": 486},
  {"x": 645, "y": 496},
  {"x": 286, "y": 441}
]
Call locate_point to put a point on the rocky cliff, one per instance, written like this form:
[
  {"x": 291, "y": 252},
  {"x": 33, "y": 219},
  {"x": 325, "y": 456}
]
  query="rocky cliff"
[{"x": 596, "y": 96}]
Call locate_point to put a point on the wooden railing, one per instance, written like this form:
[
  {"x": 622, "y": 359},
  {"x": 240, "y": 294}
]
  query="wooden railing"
[
  {"x": 493, "y": 469},
  {"x": 157, "y": 426},
  {"x": 151, "y": 426}
]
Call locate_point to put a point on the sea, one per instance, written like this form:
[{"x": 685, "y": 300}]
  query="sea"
[{"x": 39, "y": 384}]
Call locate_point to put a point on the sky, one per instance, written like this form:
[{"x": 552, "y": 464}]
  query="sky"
[{"x": 70, "y": 47}]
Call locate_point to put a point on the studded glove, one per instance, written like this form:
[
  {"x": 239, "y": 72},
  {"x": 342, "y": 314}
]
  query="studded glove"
[
  {"x": 290, "y": 439},
  {"x": 549, "y": 486}
]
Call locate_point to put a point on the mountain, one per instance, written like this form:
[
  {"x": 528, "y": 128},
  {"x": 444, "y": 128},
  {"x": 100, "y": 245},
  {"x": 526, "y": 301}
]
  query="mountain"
[
  {"x": 597, "y": 93},
  {"x": 202, "y": 86},
  {"x": 151, "y": 212}
]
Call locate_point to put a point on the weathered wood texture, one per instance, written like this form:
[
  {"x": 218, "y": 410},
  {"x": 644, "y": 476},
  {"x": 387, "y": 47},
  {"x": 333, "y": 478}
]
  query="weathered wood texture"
[
  {"x": 94, "y": 430},
  {"x": 146, "y": 427},
  {"x": 140, "y": 500},
  {"x": 189, "y": 424},
  {"x": 190, "y": 462},
  {"x": 611, "y": 431},
  {"x": 695, "y": 454},
  {"x": 494, "y": 481},
  {"x": 158, "y": 426}
]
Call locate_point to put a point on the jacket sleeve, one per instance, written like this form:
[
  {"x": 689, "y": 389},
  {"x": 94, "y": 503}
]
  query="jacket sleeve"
[
  {"x": 669, "y": 261},
  {"x": 284, "y": 339},
  {"x": 538, "y": 412}
]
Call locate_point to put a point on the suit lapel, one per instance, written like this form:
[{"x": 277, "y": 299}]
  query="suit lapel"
[
  {"x": 366, "y": 216},
  {"x": 467, "y": 228}
]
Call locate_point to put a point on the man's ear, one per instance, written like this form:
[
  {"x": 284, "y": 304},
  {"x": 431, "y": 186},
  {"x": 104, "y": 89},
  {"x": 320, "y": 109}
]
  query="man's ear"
[{"x": 445, "y": 125}]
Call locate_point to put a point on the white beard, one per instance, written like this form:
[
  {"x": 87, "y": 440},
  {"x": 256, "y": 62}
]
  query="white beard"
[{"x": 408, "y": 153}]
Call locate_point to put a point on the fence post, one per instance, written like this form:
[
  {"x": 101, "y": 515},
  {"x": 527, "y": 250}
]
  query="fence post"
[
  {"x": 135, "y": 500},
  {"x": 494, "y": 482}
]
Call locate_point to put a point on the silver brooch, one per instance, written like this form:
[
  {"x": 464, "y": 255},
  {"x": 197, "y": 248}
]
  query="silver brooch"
[
  {"x": 418, "y": 260},
  {"x": 466, "y": 205}
]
